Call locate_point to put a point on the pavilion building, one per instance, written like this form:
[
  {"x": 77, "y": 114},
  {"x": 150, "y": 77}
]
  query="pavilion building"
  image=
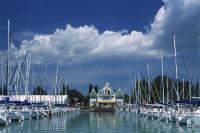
[{"x": 106, "y": 97}]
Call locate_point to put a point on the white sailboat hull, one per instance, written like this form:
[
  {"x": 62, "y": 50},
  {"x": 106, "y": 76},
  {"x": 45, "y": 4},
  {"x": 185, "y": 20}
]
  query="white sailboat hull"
[
  {"x": 3, "y": 119},
  {"x": 196, "y": 121},
  {"x": 25, "y": 114},
  {"x": 14, "y": 116},
  {"x": 184, "y": 119}
]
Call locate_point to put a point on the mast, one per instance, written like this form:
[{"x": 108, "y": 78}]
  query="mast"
[
  {"x": 45, "y": 75},
  {"x": 65, "y": 91},
  {"x": 129, "y": 87},
  {"x": 177, "y": 108},
  {"x": 138, "y": 87},
  {"x": 135, "y": 90},
  {"x": 55, "y": 89},
  {"x": 183, "y": 89},
  {"x": 176, "y": 67},
  {"x": 199, "y": 86},
  {"x": 148, "y": 82},
  {"x": 59, "y": 86},
  {"x": 8, "y": 59},
  {"x": 18, "y": 77},
  {"x": 163, "y": 89},
  {"x": 66, "y": 84},
  {"x": 167, "y": 80},
  {"x": 2, "y": 81},
  {"x": 27, "y": 74},
  {"x": 175, "y": 56}
]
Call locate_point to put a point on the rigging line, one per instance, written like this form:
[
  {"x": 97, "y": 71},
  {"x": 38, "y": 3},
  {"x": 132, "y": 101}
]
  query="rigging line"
[
  {"x": 173, "y": 85},
  {"x": 156, "y": 92},
  {"x": 182, "y": 89},
  {"x": 189, "y": 76},
  {"x": 153, "y": 95},
  {"x": 142, "y": 89},
  {"x": 150, "y": 75},
  {"x": 19, "y": 71},
  {"x": 2, "y": 72},
  {"x": 184, "y": 63},
  {"x": 14, "y": 72},
  {"x": 148, "y": 82}
]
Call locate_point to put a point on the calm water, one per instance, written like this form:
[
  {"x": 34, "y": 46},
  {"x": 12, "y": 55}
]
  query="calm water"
[{"x": 94, "y": 123}]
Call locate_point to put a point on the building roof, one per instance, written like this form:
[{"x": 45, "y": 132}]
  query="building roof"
[
  {"x": 93, "y": 94},
  {"x": 106, "y": 90},
  {"x": 119, "y": 94}
]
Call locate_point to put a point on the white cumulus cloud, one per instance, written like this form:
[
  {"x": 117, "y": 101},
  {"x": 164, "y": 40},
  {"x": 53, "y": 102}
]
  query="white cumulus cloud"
[{"x": 79, "y": 44}]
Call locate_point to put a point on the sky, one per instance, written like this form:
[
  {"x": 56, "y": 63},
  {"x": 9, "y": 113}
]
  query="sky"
[{"x": 99, "y": 41}]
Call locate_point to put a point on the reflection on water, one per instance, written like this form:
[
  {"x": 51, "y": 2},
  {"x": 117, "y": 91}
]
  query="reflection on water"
[{"x": 95, "y": 123}]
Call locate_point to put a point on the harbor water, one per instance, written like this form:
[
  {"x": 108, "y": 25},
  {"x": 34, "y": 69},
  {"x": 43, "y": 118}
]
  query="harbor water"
[{"x": 92, "y": 122}]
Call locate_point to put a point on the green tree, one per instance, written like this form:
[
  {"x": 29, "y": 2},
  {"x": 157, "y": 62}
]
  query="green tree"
[
  {"x": 39, "y": 91},
  {"x": 3, "y": 91},
  {"x": 64, "y": 90},
  {"x": 126, "y": 98}
]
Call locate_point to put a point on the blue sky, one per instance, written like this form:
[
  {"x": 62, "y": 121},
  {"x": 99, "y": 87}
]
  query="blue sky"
[
  {"x": 95, "y": 41},
  {"x": 44, "y": 16}
]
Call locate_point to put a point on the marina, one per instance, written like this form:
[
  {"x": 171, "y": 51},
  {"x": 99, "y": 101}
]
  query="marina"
[
  {"x": 96, "y": 123},
  {"x": 16, "y": 104},
  {"x": 171, "y": 106},
  {"x": 130, "y": 66}
]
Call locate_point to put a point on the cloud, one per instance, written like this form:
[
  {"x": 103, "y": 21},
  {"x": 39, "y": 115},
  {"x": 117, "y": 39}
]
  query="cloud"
[
  {"x": 177, "y": 16},
  {"x": 79, "y": 44},
  {"x": 85, "y": 43},
  {"x": 24, "y": 35}
]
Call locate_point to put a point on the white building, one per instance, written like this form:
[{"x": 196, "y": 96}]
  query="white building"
[
  {"x": 61, "y": 99},
  {"x": 106, "y": 97}
]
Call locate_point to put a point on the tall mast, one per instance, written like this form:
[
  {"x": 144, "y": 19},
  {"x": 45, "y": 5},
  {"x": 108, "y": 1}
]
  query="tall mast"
[
  {"x": 199, "y": 86},
  {"x": 183, "y": 89},
  {"x": 66, "y": 84},
  {"x": 135, "y": 90},
  {"x": 163, "y": 89},
  {"x": 129, "y": 86},
  {"x": 2, "y": 81},
  {"x": 174, "y": 37},
  {"x": 190, "y": 92},
  {"x": 55, "y": 89},
  {"x": 18, "y": 75},
  {"x": 8, "y": 59},
  {"x": 65, "y": 91},
  {"x": 148, "y": 82},
  {"x": 138, "y": 87},
  {"x": 28, "y": 61},
  {"x": 45, "y": 75},
  {"x": 175, "y": 59},
  {"x": 167, "y": 82},
  {"x": 59, "y": 87}
]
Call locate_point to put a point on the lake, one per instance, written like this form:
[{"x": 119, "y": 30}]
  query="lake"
[{"x": 92, "y": 122}]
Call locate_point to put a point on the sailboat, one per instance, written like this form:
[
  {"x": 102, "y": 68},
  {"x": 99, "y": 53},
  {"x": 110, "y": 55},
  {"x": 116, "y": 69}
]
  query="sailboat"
[{"x": 4, "y": 118}]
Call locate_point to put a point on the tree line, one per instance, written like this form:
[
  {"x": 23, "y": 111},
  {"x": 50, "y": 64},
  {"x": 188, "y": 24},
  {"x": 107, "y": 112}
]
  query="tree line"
[
  {"x": 153, "y": 91},
  {"x": 141, "y": 90}
]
